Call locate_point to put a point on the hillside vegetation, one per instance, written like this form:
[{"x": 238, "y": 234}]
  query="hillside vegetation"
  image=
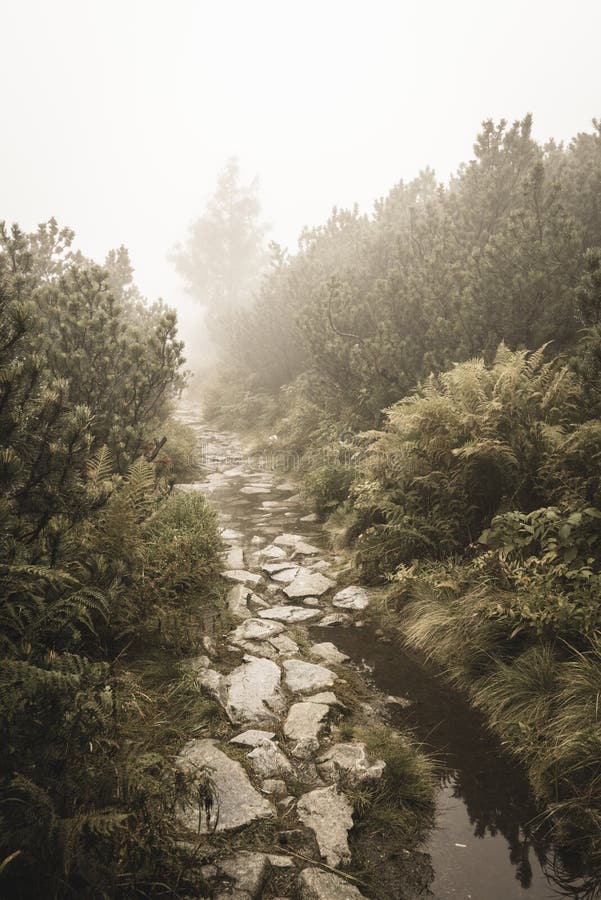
[
  {"x": 104, "y": 577},
  {"x": 434, "y": 371}
]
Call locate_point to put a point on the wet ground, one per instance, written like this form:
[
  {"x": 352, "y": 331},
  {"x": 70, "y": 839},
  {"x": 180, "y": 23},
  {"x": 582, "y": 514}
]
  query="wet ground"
[{"x": 485, "y": 845}]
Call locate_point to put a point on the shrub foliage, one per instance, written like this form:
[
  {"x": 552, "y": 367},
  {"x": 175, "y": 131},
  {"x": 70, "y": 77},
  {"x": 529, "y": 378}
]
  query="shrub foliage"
[{"x": 97, "y": 565}]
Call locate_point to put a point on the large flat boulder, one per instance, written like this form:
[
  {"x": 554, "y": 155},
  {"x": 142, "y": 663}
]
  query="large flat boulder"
[
  {"x": 328, "y": 653},
  {"x": 329, "y": 814},
  {"x": 302, "y": 677},
  {"x": 354, "y": 597},
  {"x": 313, "y": 585},
  {"x": 304, "y": 724},
  {"x": 269, "y": 761},
  {"x": 233, "y": 803},
  {"x": 284, "y": 645},
  {"x": 270, "y": 644},
  {"x": 255, "y": 630},
  {"x": 305, "y": 549},
  {"x": 253, "y": 692},
  {"x": 241, "y": 576},
  {"x": 272, "y": 553},
  {"x": 253, "y": 737}
]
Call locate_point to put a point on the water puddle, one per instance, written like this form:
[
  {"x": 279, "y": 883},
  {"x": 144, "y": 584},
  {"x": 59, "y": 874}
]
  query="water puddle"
[{"x": 484, "y": 846}]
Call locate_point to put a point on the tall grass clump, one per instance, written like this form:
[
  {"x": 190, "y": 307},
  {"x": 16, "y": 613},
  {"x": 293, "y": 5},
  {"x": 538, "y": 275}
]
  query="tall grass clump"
[{"x": 403, "y": 799}]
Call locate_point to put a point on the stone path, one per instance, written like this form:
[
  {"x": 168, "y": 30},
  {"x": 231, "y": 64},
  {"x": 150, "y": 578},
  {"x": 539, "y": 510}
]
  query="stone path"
[{"x": 281, "y": 695}]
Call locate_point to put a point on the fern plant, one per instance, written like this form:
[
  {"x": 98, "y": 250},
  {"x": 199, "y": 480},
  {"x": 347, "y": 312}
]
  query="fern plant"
[{"x": 467, "y": 444}]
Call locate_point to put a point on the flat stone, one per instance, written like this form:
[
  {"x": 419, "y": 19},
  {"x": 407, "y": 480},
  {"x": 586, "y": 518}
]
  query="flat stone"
[
  {"x": 269, "y": 761},
  {"x": 284, "y": 644},
  {"x": 229, "y": 534},
  {"x": 327, "y": 697},
  {"x": 316, "y": 884},
  {"x": 285, "y": 576},
  {"x": 290, "y": 614},
  {"x": 255, "y": 630},
  {"x": 333, "y": 619},
  {"x": 312, "y": 517},
  {"x": 257, "y": 540},
  {"x": 329, "y": 653},
  {"x": 256, "y": 489},
  {"x": 236, "y": 802},
  {"x": 302, "y": 676},
  {"x": 235, "y": 558},
  {"x": 237, "y": 601},
  {"x": 248, "y": 871},
  {"x": 242, "y": 576},
  {"x": 321, "y": 566},
  {"x": 353, "y": 597},
  {"x": 304, "y": 549},
  {"x": 313, "y": 585},
  {"x": 352, "y": 761},
  {"x": 304, "y": 724},
  {"x": 328, "y": 813},
  {"x": 272, "y": 552},
  {"x": 210, "y": 680},
  {"x": 263, "y": 649},
  {"x": 253, "y": 737},
  {"x": 310, "y": 601},
  {"x": 253, "y": 691}
]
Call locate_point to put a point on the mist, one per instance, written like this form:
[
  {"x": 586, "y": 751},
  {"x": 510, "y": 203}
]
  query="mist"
[{"x": 118, "y": 116}]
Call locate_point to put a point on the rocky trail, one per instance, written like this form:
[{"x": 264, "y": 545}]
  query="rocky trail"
[{"x": 286, "y": 764}]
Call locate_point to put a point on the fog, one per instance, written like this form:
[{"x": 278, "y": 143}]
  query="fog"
[{"x": 118, "y": 115}]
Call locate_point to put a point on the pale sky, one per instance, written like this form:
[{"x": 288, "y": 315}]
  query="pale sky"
[{"x": 117, "y": 116}]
